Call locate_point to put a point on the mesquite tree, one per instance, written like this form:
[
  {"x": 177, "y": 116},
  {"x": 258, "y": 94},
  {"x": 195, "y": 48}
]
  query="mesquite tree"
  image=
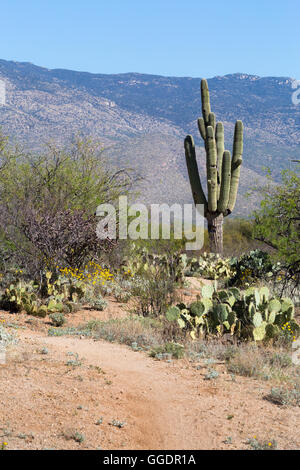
[
  {"x": 48, "y": 201},
  {"x": 222, "y": 170}
]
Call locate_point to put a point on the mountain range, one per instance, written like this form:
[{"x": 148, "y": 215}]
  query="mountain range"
[{"x": 142, "y": 121}]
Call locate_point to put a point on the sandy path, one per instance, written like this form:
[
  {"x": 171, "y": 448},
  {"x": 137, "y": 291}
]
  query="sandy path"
[
  {"x": 154, "y": 391},
  {"x": 166, "y": 405}
]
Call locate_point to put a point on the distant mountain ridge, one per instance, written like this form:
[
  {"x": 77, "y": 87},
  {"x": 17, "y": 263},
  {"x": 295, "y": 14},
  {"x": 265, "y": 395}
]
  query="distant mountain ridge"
[{"x": 143, "y": 119}]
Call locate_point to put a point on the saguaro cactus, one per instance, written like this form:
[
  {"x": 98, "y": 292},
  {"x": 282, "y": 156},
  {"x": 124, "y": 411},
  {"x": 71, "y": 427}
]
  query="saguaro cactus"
[{"x": 222, "y": 170}]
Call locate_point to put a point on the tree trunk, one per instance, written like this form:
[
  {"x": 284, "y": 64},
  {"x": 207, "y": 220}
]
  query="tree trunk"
[{"x": 215, "y": 232}]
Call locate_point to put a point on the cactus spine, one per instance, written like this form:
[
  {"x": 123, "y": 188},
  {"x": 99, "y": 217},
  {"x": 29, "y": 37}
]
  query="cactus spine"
[{"x": 222, "y": 170}]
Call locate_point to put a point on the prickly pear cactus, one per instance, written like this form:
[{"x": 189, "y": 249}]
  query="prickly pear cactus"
[
  {"x": 251, "y": 314},
  {"x": 18, "y": 297},
  {"x": 209, "y": 266}
]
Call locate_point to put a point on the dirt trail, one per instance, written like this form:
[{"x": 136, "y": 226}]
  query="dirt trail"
[
  {"x": 165, "y": 405},
  {"x": 157, "y": 398}
]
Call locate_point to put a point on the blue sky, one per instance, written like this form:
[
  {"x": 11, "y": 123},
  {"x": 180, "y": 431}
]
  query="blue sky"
[{"x": 176, "y": 38}]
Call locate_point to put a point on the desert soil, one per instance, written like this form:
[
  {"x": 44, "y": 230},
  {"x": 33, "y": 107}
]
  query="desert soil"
[{"x": 46, "y": 398}]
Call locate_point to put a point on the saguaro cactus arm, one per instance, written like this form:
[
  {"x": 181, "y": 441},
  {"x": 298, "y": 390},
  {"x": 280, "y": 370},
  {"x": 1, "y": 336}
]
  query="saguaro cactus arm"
[
  {"x": 202, "y": 128},
  {"x": 212, "y": 121},
  {"x": 211, "y": 169},
  {"x": 236, "y": 164},
  {"x": 205, "y": 101},
  {"x": 220, "y": 148},
  {"x": 225, "y": 182},
  {"x": 191, "y": 163}
]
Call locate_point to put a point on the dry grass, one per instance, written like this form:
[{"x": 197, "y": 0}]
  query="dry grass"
[
  {"x": 250, "y": 360},
  {"x": 264, "y": 363},
  {"x": 284, "y": 396},
  {"x": 145, "y": 332}
]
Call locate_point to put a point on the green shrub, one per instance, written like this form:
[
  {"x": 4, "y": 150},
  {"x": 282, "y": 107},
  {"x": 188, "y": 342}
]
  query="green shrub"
[
  {"x": 284, "y": 397},
  {"x": 121, "y": 295},
  {"x": 72, "y": 434},
  {"x": 252, "y": 266},
  {"x": 99, "y": 304},
  {"x": 152, "y": 279},
  {"x": 211, "y": 374},
  {"x": 57, "y": 319},
  {"x": 176, "y": 350},
  {"x": 277, "y": 224},
  {"x": 256, "y": 444}
]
